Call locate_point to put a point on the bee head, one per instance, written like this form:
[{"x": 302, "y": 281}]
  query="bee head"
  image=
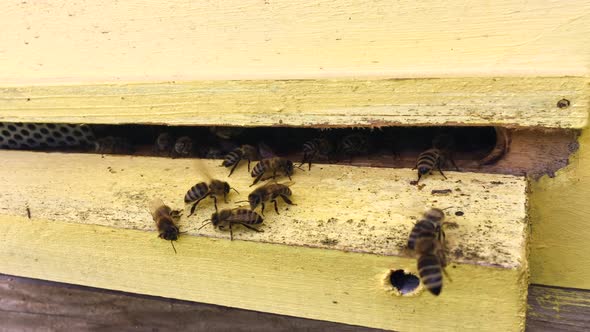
[
  {"x": 226, "y": 188},
  {"x": 215, "y": 219},
  {"x": 434, "y": 214},
  {"x": 170, "y": 233},
  {"x": 423, "y": 170},
  {"x": 254, "y": 199}
]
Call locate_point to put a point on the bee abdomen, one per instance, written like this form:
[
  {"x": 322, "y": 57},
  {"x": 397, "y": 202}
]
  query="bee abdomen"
[
  {"x": 258, "y": 169},
  {"x": 233, "y": 157},
  {"x": 430, "y": 271},
  {"x": 310, "y": 147},
  {"x": 428, "y": 159},
  {"x": 196, "y": 192}
]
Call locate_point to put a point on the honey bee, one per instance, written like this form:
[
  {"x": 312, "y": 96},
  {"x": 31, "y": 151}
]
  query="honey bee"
[
  {"x": 201, "y": 190},
  {"x": 238, "y": 216},
  {"x": 164, "y": 144},
  {"x": 183, "y": 147},
  {"x": 272, "y": 165},
  {"x": 165, "y": 219},
  {"x": 269, "y": 192},
  {"x": 428, "y": 240},
  {"x": 233, "y": 158},
  {"x": 112, "y": 145},
  {"x": 316, "y": 148},
  {"x": 354, "y": 144},
  {"x": 428, "y": 161}
]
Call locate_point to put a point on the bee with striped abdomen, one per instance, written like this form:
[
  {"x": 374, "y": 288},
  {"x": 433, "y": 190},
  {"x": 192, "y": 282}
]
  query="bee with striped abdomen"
[
  {"x": 238, "y": 216},
  {"x": 164, "y": 144},
  {"x": 272, "y": 165},
  {"x": 428, "y": 240},
  {"x": 270, "y": 192},
  {"x": 320, "y": 148},
  {"x": 233, "y": 158},
  {"x": 165, "y": 219},
  {"x": 183, "y": 147},
  {"x": 428, "y": 161},
  {"x": 353, "y": 145},
  {"x": 201, "y": 190}
]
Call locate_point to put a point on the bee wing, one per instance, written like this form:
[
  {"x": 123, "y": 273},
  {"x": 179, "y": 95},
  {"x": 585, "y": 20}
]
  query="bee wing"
[
  {"x": 288, "y": 183},
  {"x": 154, "y": 205},
  {"x": 265, "y": 151},
  {"x": 202, "y": 170}
]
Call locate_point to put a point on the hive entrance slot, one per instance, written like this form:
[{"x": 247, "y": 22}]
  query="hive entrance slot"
[
  {"x": 404, "y": 283},
  {"x": 526, "y": 151}
]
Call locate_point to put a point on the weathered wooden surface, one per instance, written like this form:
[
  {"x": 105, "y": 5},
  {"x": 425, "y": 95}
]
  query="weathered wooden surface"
[
  {"x": 558, "y": 309},
  {"x": 146, "y": 40},
  {"x": 369, "y": 210},
  {"x": 62, "y": 241},
  {"x": 560, "y": 217},
  {"x": 32, "y": 304},
  {"x": 509, "y": 101}
]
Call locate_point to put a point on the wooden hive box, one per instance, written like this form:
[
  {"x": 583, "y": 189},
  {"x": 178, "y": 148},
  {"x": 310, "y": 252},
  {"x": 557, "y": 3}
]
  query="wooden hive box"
[{"x": 341, "y": 64}]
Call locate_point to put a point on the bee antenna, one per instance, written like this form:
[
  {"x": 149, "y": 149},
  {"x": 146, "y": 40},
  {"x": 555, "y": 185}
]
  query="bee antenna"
[
  {"x": 242, "y": 201},
  {"x": 234, "y": 189},
  {"x": 448, "y": 208},
  {"x": 203, "y": 225},
  {"x": 300, "y": 167},
  {"x": 172, "y": 243}
]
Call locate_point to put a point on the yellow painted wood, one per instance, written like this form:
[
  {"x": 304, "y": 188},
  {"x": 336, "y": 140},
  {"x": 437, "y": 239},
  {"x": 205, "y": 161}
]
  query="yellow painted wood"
[
  {"x": 507, "y": 101},
  {"x": 560, "y": 213},
  {"x": 321, "y": 284},
  {"x": 145, "y": 40},
  {"x": 325, "y": 258},
  {"x": 338, "y": 207}
]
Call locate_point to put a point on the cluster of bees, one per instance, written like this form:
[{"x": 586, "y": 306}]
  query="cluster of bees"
[{"x": 426, "y": 237}]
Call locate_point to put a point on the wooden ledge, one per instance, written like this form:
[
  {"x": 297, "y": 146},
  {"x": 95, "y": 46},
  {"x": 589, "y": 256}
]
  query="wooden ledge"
[
  {"x": 89, "y": 223},
  {"x": 507, "y": 101}
]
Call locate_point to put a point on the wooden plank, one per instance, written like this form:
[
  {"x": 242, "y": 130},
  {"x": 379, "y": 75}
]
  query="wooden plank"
[
  {"x": 29, "y": 304},
  {"x": 560, "y": 217},
  {"x": 291, "y": 268},
  {"x": 142, "y": 40},
  {"x": 114, "y": 191},
  {"x": 519, "y": 102},
  {"x": 558, "y": 309}
]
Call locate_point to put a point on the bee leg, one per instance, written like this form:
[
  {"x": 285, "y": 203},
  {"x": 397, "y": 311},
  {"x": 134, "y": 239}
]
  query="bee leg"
[
  {"x": 249, "y": 165},
  {"x": 233, "y": 168},
  {"x": 453, "y": 163},
  {"x": 441, "y": 172},
  {"x": 262, "y": 212},
  {"x": 225, "y": 198},
  {"x": 257, "y": 179},
  {"x": 231, "y": 232},
  {"x": 250, "y": 227},
  {"x": 276, "y": 208},
  {"x": 287, "y": 200},
  {"x": 194, "y": 207},
  {"x": 214, "y": 202}
]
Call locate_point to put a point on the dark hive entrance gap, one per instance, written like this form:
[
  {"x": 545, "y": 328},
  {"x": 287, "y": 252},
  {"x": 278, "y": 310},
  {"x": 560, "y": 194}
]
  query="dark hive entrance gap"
[
  {"x": 532, "y": 152},
  {"x": 403, "y": 282}
]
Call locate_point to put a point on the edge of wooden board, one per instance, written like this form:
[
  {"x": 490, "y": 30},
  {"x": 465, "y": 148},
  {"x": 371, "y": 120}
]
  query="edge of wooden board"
[
  {"x": 305, "y": 282},
  {"x": 506, "y": 101}
]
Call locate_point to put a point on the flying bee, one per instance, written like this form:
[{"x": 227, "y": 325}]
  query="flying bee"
[
  {"x": 316, "y": 148},
  {"x": 238, "y": 216},
  {"x": 233, "y": 158},
  {"x": 164, "y": 144},
  {"x": 269, "y": 192},
  {"x": 112, "y": 145},
  {"x": 201, "y": 190},
  {"x": 165, "y": 219},
  {"x": 183, "y": 147},
  {"x": 354, "y": 144},
  {"x": 427, "y": 238},
  {"x": 272, "y": 165}
]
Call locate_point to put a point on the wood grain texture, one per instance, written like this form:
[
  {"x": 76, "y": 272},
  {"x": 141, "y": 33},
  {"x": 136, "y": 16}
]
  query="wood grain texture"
[
  {"x": 558, "y": 309},
  {"x": 33, "y": 304},
  {"x": 145, "y": 40},
  {"x": 370, "y": 210},
  {"x": 314, "y": 283},
  {"x": 30, "y": 305},
  {"x": 559, "y": 215},
  {"x": 512, "y": 102}
]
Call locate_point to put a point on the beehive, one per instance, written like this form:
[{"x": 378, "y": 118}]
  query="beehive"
[{"x": 252, "y": 66}]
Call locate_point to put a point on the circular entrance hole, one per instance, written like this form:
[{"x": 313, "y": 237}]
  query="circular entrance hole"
[{"x": 404, "y": 283}]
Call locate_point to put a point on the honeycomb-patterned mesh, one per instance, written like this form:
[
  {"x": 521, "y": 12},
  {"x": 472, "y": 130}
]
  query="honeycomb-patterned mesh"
[{"x": 43, "y": 135}]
